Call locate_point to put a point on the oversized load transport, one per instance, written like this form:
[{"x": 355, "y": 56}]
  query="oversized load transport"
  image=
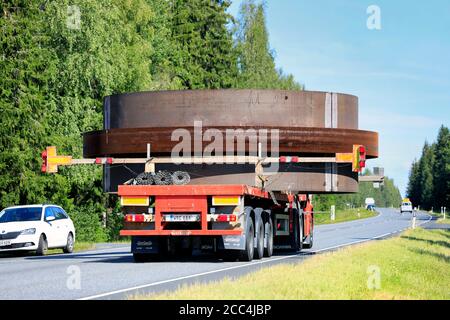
[
  {"x": 240, "y": 210},
  {"x": 309, "y": 124}
]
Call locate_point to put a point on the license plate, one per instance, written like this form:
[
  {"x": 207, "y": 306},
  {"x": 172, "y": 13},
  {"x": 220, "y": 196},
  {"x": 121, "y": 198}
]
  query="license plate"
[
  {"x": 5, "y": 243},
  {"x": 181, "y": 217}
]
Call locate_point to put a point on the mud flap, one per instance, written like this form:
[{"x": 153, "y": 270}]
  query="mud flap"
[
  {"x": 233, "y": 242},
  {"x": 144, "y": 245}
]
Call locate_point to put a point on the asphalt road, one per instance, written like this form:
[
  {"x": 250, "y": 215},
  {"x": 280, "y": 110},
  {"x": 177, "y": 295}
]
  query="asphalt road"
[{"x": 110, "y": 273}]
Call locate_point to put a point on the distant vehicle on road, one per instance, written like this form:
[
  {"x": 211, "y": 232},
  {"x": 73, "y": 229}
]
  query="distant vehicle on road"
[
  {"x": 406, "y": 206},
  {"x": 370, "y": 204},
  {"x": 36, "y": 228}
]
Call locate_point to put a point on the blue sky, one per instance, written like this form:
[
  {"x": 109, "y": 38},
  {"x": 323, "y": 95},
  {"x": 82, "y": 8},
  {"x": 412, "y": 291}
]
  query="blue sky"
[{"x": 400, "y": 73}]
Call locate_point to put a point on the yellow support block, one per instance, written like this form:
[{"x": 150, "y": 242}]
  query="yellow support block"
[
  {"x": 51, "y": 151},
  {"x": 59, "y": 160},
  {"x": 134, "y": 201},
  {"x": 226, "y": 201},
  {"x": 344, "y": 157}
]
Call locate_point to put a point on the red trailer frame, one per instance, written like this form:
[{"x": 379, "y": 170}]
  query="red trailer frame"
[
  {"x": 188, "y": 198},
  {"x": 279, "y": 209}
]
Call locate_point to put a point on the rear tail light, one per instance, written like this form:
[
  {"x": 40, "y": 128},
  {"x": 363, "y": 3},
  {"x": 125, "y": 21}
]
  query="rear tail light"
[
  {"x": 226, "y": 218},
  {"x": 134, "y": 218}
]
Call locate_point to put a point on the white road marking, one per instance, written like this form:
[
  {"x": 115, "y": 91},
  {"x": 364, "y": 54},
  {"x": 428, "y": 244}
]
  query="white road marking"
[
  {"x": 239, "y": 266},
  {"x": 184, "y": 278}
]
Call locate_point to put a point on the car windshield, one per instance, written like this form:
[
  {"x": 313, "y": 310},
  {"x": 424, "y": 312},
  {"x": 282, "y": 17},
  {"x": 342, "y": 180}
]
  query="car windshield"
[
  {"x": 407, "y": 203},
  {"x": 20, "y": 214}
]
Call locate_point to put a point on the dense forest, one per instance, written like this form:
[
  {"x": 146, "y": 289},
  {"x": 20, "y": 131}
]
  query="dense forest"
[
  {"x": 60, "y": 58},
  {"x": 429, "y": 177},
  {"x": 386, "y": 195}
]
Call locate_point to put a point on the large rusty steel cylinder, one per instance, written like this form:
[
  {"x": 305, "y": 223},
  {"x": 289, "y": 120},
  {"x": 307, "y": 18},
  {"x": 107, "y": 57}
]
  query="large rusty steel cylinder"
[{"x": 308, "y": 124}]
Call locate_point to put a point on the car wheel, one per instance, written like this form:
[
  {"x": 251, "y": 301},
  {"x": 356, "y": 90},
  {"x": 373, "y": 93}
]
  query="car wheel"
[
  {"x": 42, "y": 246},
  {"x": 69, "y": 245}
]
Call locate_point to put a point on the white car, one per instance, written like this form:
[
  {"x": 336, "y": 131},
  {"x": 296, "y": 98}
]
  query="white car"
[
  {"x": 406, "y": 207},
  {"x": 36, "y": 228}
]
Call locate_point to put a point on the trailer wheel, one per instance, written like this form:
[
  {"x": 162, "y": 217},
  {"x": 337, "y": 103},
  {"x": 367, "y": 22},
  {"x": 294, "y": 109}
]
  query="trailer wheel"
[
  {"x": 309, "y": 243},
  {"x": 259, "y": 252},
  {"x": 268, "y": 251},
  {"x": 247, "y": 253},
  {"x": 297, "y": 234}
]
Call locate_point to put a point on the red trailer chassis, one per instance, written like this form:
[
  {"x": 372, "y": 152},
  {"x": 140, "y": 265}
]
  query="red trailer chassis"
[{"x": 237, "y": 220}]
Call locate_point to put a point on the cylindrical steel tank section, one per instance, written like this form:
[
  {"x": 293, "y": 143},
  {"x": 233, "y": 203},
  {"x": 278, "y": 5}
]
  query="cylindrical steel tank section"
[{"x": 308, "y": 124}]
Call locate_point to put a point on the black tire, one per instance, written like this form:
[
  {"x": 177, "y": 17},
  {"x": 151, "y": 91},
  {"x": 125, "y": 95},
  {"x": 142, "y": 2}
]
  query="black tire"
[
  {"x": 42, "y": 246},
  {"x": 300, "y": 232},
  {"x": 163, "y": 178},
  {"x": 144, "y": 178},
  {"x": 247, "y": 253},
  {"x": 259, "y": 252},
  {"x": 268, "y": 230},
  {"x": 297, "y": 234},
  {"x": 309, "y": 243},
  {"x": 180, "y": 178},
  {"x": 70, "y": 244}
]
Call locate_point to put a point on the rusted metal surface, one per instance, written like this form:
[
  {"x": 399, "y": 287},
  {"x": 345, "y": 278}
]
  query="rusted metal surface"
[
  {"x": 292, "y": 141},
  {"x": 308, "y": 123},
  {"x": 231, "y": 108}
]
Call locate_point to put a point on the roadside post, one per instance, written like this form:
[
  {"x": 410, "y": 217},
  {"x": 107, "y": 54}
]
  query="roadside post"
[
  {"x": 333, "y": 213},
  {"x": 413, "y": 220},
  {"x": 359, "y": 214},
  {"x": 444, "y": 212},
  {"x": 104, "y": 219}
]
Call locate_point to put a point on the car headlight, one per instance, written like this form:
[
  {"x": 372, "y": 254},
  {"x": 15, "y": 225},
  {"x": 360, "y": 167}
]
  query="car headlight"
[{"x": 28, "y": 231}]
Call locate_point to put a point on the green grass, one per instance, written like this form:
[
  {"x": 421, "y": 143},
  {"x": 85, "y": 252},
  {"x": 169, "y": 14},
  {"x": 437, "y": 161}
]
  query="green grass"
[
  {"x": 414, "y": 265},
  {"x": 84, "y": 246},
  {"x": 440, "y": 217},
  {"x": 444, "y": 221},
  {"x": 343, "y": 215},
  {"x": 79, "y": 246}
]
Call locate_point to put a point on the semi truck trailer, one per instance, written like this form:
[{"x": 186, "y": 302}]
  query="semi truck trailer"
[{"x": 233, "y": 205}]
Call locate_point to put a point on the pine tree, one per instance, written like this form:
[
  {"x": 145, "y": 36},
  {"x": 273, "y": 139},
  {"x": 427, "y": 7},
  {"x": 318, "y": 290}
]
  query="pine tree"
[
  {"x": 441, "y": 170},
  {"x": 165, "y": 54},
  {"x": 256, "y": 60},
  {"x": 204, "y": 56},
  {"x": 426, "y": 164},
  {"x": 413, "y": 191}
]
